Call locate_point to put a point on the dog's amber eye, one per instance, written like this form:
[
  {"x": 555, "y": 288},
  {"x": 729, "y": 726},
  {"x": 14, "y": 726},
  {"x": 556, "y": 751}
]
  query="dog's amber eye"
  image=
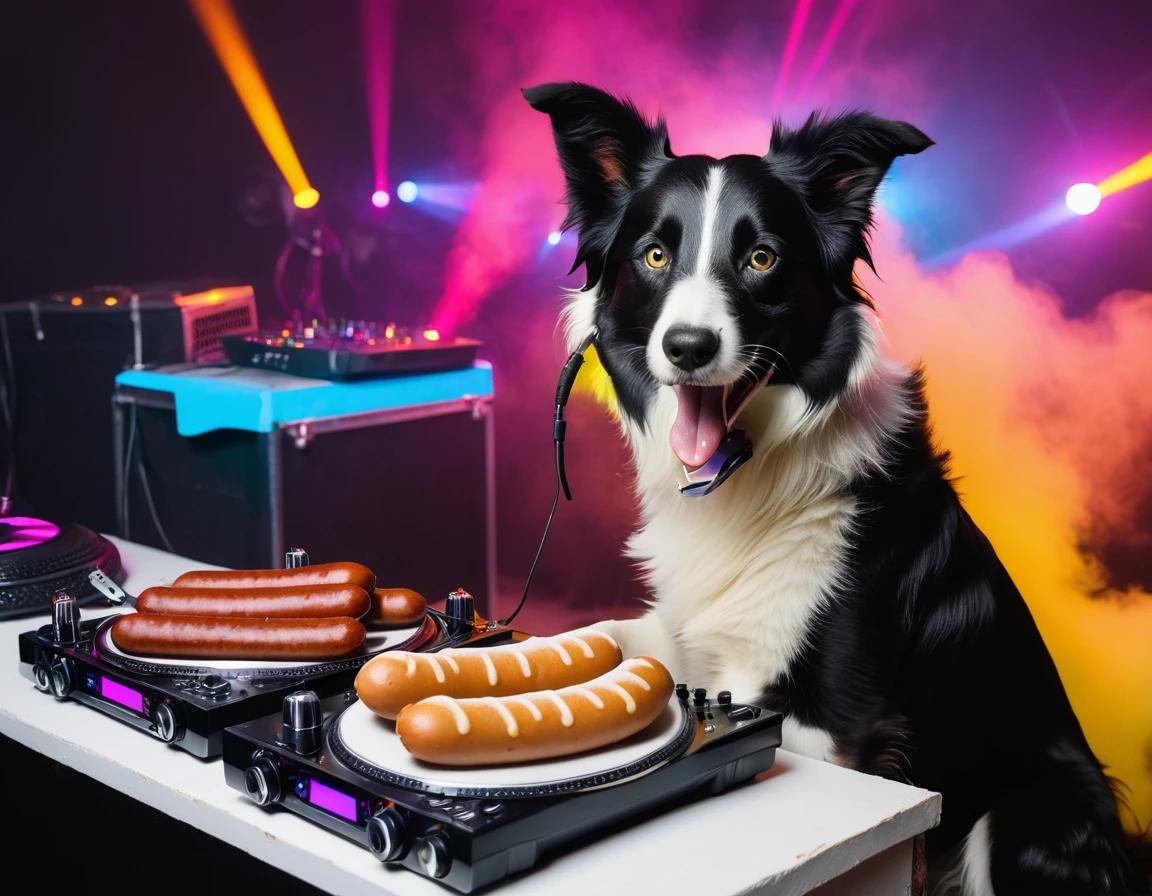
[
  {"x": 656, "y": 257},
  {"x": 761, "y": 259}
]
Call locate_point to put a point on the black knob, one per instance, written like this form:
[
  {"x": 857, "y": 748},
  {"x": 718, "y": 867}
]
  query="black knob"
[
  {"x": 262, "y": 782},
  {"x": 65, "y": 619},
  {"x": 302, "y": 720},
  {"x": 724, "y": 698},
  {"x": 434, "y": 854},
  {"x": 461, "y": 611},
  {"x": 167, "y": 722},
  {"x": 388, "y": 835},
  {"x": 294, "y": 558},
  {"x": 699, "y": 695},
  {"x": 60, "y": 677},
  {"x": 682, "y": 692}
]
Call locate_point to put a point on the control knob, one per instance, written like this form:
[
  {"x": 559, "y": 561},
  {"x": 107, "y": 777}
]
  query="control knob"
[
  {"x": 60, "y": 677},
  {"x": 434, "y": 854},
  {"x": 461, "y": 612},
  {"x": 388, "y": 835},
  {"x": 167, "y": 724},
  {"x": 262, "y": 782},
  {"x": 65, "y": 619},
  {"x": 302, "y": 721},
  {"x": 294, "y": 558}
]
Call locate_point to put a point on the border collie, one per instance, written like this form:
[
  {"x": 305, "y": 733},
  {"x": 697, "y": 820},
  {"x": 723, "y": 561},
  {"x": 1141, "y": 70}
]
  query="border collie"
[{"x": 836, "y": 576}]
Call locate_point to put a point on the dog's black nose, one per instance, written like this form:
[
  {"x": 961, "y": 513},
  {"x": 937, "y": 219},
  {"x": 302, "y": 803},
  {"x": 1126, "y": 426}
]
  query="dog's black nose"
[{"x": 690, "y": 348}]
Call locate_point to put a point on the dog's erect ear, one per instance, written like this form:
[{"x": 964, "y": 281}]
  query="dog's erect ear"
[
  {"x": 607, "y": 150},
  {"x": 836, "y": 165}
]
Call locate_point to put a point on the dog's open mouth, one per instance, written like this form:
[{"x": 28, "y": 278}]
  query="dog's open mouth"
[{"x": 704, "y": 415}]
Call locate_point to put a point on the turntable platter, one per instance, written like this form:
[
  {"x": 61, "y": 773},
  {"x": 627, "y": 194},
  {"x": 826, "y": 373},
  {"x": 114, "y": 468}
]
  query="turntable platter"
[{"x": 369, "y": 745}]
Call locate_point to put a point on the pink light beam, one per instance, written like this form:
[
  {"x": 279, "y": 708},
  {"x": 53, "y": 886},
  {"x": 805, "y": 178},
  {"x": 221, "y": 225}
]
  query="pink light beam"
[
  {"x": 377, "y": 42},
  {"x": 835, "y": 24},
  {"x": 791, "y": 44}
]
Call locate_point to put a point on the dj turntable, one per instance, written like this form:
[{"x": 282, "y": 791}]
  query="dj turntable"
[
  {"x": 333, "y": 762},
  {"x": 189, "y": 703}
]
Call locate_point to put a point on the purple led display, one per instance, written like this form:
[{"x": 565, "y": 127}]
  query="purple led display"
[
  {"x": 332, "y": 800},
  {"x": 122, "y": 695}
]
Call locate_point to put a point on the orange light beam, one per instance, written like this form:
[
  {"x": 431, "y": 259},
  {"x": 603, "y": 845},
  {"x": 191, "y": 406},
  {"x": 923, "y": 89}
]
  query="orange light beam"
[
  {"x": 218, "y": 20},
  {"x": 1136, "y": 173}
]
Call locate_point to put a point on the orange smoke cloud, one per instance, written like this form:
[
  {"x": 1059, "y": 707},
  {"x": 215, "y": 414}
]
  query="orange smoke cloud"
[{"x": 1047, "y": 418}]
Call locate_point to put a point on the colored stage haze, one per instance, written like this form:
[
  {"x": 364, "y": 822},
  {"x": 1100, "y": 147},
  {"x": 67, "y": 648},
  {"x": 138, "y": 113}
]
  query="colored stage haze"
[{"x": 218, "y": 20}]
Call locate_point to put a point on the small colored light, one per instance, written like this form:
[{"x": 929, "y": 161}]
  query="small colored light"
[
  {"x": 406, "y": 192},
  {"x": 285, "y": 333},
  {"x": 371, "y": 341},
  {"x": 76, "y": 300},
  {"x": 309, "y": 332},
  {"x": 111, "y": 300},
  {"x": 389, "y": 331},
  {"x": 554, "y": 237},
  {"x": 306, "y": 198},
  {"x": 432, "y": 335},
  {"x": 380, "y": 198},
  {"x": 1083, "y": 199}
]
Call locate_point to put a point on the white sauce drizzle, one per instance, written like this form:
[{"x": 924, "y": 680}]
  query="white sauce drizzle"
[
  {"x": 592, "y": 696},
  {"x": 437, "y": 669},
  {"x": 632, "y": 676},
  {"x": 451, "y": 662},
  {"x": 507, "y": 717},
  {"x": 531, "y": 707},
  {"x": 462, "y": 724},
  {"x": 583, "y": 645},
  {"x": 629, "y": 703},
  {"x": 492, "y": 679},
  {"x": 565, "y": 713},
  {"x": 524, "y": 667},
  {"x": 640, "y": 661},
  {"x": 411, "y": 661},
  {"x": 559, "y": 648}
]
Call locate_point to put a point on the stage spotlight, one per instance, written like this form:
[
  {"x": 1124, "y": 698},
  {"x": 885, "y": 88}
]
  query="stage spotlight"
[
  {"x": 554, "y": 238},
  {"x": 1083, "y": 199},
  {"x": 406, "y": 192},
  {"x": 306, "y": 198},
  {"x": 380, "y": 198},
  {"x": 432, "y": 335}
]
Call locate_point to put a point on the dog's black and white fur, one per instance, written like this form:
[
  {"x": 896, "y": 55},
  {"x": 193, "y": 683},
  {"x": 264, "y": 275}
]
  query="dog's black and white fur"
[{"x": 836, "y": 576}]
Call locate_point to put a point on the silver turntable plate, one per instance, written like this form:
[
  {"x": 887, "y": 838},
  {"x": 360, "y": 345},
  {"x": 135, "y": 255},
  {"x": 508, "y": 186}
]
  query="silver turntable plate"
[
  {"x": 369, "y": 745},
  {"x": 376, "y": 641}
]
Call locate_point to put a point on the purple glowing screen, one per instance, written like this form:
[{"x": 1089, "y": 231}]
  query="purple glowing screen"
[
  {"x": 333, "y": 800},
  {"x": 124, "y": 696},
  {"x": 17, "y": 532}
]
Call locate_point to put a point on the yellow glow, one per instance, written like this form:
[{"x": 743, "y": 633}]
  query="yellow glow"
[
  {"x": 285, "y": 333},
  {"x": 306, "y": 198},
  {"x": 432, "y": 335},
  {"x": 371, "y": 341},
  {"x": 76, "y": 300},
  {"x": 1136, "y": 173},
  {"x": 214, "y": 296},
  {"x": 389, "y": 331},
  {"x": 218, "y": 20},
  {"x": 111, "y": 300}
]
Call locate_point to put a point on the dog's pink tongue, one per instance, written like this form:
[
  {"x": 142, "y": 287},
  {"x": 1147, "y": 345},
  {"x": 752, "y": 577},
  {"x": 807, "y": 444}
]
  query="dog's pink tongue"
[{"x": 699, "y": 425}]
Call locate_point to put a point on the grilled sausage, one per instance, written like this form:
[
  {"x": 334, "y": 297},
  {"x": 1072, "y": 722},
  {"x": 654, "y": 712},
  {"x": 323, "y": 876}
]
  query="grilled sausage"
[
  {"x": 541, "y": 725},
  {"x": 390, "y": 681},
  {"x": 320, "y": 574},
  {"x": 395, "y": 606},
  {"x": 236, "y": 638},
  {"x": 297, "y": 602}
]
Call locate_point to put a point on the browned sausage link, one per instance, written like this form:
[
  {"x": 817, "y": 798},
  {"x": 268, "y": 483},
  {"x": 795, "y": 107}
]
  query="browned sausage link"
[
  {"x": 396, "y": 606},
  {"x": 299, "y": 602},
  {"x": 320, "y": 574},
  {"x": 237, "y": 638}
]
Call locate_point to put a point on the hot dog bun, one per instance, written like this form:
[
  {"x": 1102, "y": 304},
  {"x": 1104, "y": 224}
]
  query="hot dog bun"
[
  {"x": 389, "y": 682},
  {"x": 396, "y": 606},
  {"x": 296, "y": 602},
  {"x": 542, "y": 725},
  {"x": 237, "y": 638},
  {"x": 320, "y": 574}
]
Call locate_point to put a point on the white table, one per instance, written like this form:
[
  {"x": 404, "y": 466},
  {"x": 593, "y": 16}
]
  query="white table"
[{"x": 799, "y": 826}]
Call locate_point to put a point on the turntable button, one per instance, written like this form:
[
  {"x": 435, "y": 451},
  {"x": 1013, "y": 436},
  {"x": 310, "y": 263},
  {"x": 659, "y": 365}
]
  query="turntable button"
[
  {"x": 465, "y": 815},
  {"x": 437, "y": 802},
  {"x": 682, "y": 692},
  {"x": 741, "y": 713},
  {"x": 724, "y": 698},
  {"x": 492, "y": 808},
  {"x": 434, "y": 855},
  {"x": 699, "y": 695}
]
